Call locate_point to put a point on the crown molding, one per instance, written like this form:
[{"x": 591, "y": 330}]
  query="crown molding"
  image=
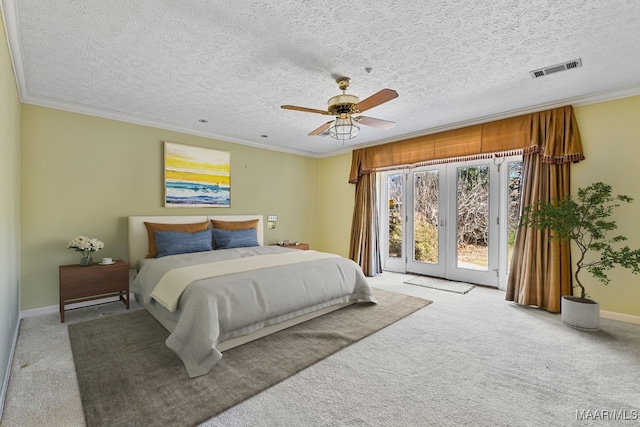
[{"x": 129, "y": 118}]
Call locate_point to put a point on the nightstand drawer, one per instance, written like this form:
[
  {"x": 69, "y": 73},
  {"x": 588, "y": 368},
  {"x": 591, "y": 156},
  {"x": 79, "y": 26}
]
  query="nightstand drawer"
[
  {"x": 85, "y": 289},
  {"x": 93, "y": 280},
  {"x": 80, "y": 284}
]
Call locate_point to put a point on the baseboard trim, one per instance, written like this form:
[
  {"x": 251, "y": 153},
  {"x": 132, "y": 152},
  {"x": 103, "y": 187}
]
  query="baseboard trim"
[
  {"x": 56, "y": 308},
  {"x": 628, "y": 318},
  {"x": 7, "y": 374}
]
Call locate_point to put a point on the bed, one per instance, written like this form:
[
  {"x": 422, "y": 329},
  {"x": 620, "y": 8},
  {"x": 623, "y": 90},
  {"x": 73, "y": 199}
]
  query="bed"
[{"x": 217, "y": 298}]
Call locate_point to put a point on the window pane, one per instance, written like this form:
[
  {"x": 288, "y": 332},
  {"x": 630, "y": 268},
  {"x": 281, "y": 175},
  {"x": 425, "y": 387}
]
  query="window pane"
[
  {"x": 473, "y": 217},
  {"x": 514, "y": 188},
  {"x": 394, "y": 190},
  {"x": 425, "y": 216}
]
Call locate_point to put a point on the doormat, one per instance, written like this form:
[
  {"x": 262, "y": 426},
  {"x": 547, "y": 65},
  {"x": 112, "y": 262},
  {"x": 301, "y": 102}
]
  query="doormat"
[{"x": 441, "y": 284}]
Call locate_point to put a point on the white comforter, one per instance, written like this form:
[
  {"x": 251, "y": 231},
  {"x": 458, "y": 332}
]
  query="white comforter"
[{"x": 217, "y": 309}]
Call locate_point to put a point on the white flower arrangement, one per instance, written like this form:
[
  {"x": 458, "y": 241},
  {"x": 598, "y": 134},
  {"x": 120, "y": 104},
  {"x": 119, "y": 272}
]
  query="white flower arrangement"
[{"x": 86, "y": 245}]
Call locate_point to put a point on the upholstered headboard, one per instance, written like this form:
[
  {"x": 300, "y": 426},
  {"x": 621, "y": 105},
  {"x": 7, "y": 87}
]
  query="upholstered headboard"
[{"x": 139, "y": 242}]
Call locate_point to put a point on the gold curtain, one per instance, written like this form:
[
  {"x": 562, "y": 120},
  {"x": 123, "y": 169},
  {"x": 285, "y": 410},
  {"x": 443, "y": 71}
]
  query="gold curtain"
[
  {"x": 549, "y": 140},
  {"x": 540, "y": 272},
  {"x": 500, "y": 138},
  {"x": 515, "y": 135},
  {"x": 364, "y": 247}
]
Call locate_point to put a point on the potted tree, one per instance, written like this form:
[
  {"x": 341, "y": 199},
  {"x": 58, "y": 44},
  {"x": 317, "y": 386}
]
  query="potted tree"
[{"x": 586, "y": 221}]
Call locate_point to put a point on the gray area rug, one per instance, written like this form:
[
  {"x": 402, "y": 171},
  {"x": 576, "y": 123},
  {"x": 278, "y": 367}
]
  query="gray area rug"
[
  {"x": 441, "y": 284},
  {"x": 127, "y": 376}
]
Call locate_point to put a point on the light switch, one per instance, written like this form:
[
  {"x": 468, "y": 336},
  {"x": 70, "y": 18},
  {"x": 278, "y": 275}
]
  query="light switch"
[{"x": 272, "y": 218}]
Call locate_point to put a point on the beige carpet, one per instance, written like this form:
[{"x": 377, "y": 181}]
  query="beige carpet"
[{"x": 127, "y": 376}]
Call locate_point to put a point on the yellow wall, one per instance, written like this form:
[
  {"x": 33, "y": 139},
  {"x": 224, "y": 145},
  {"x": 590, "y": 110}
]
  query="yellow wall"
[
  {"x": 335, "y": 206},
  {"x": 9, "y": 206},
  {"x": 610, "y": 134},
  {"x": 85, "y": 175}
]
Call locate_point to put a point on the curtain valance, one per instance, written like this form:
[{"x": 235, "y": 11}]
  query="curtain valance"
[{"x": 551, "y": 133}]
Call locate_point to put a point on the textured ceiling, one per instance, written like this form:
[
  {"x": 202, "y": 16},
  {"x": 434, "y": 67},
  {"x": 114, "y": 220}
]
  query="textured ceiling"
[{"x": 171, "y": 63}]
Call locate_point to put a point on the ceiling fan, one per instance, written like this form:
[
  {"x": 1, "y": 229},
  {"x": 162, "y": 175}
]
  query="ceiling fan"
[{"x": 343, "y": 106}]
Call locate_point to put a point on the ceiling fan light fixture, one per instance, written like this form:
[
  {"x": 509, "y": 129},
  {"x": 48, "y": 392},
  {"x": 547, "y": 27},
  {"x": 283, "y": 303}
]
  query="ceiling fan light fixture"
[
  {"x": 344, "y": 128},
  {"x": 343, "y": 106}
]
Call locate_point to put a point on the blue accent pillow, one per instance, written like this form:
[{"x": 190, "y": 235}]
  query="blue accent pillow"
[
  {"x": 227, "y": 239},
  {"x": 181, "y": 242}
]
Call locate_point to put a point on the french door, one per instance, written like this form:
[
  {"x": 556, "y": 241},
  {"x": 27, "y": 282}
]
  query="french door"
[{"x": 453, "y": 221}]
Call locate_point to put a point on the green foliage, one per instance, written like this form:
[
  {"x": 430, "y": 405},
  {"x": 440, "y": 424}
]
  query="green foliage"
[
  {"x": 426, "y": 241},
  {"x": 586, "y": 221},
  {"x": 426, "y": 238},
  {"x": 395, "y": 233}
]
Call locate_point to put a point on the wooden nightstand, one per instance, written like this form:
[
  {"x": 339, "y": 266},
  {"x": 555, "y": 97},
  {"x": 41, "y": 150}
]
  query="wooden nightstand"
[
  {"x": 301, "y": 246},
  {"x": 79, "y": 284}
]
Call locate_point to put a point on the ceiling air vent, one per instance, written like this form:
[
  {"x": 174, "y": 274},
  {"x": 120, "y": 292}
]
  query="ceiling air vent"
[{"x": 556, "y": 68}]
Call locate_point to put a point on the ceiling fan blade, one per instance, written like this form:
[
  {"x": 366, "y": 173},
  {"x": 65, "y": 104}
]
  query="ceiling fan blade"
[
  {"x": 376, "y": 99},
  {"x": 321, "y": 129},
  {"x": 308, "y": 110},
  {"x": 376, "y": 123}
]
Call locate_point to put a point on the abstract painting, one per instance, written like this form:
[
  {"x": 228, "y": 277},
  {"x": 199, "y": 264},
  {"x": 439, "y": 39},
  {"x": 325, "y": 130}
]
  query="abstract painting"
[{"x": 196, "y": 176}]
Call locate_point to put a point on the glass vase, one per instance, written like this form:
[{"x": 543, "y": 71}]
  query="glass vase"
[{"x": 86, "y": 261}]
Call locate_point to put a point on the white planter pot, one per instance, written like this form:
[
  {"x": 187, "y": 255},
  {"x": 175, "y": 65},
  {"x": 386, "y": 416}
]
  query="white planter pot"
[{"x": 580, "y": 313}]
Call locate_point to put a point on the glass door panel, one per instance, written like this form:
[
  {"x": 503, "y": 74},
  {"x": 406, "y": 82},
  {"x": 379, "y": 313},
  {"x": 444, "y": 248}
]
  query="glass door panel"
[
  {"x": 472, "y": 222},
  {"x": 473, "y": 212},
  {"x": 428, "y": 241},
  {"x": 395, "y": 216},
  {"x": 393, "y": 192},
  {"x": 426, "y": 217}
]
